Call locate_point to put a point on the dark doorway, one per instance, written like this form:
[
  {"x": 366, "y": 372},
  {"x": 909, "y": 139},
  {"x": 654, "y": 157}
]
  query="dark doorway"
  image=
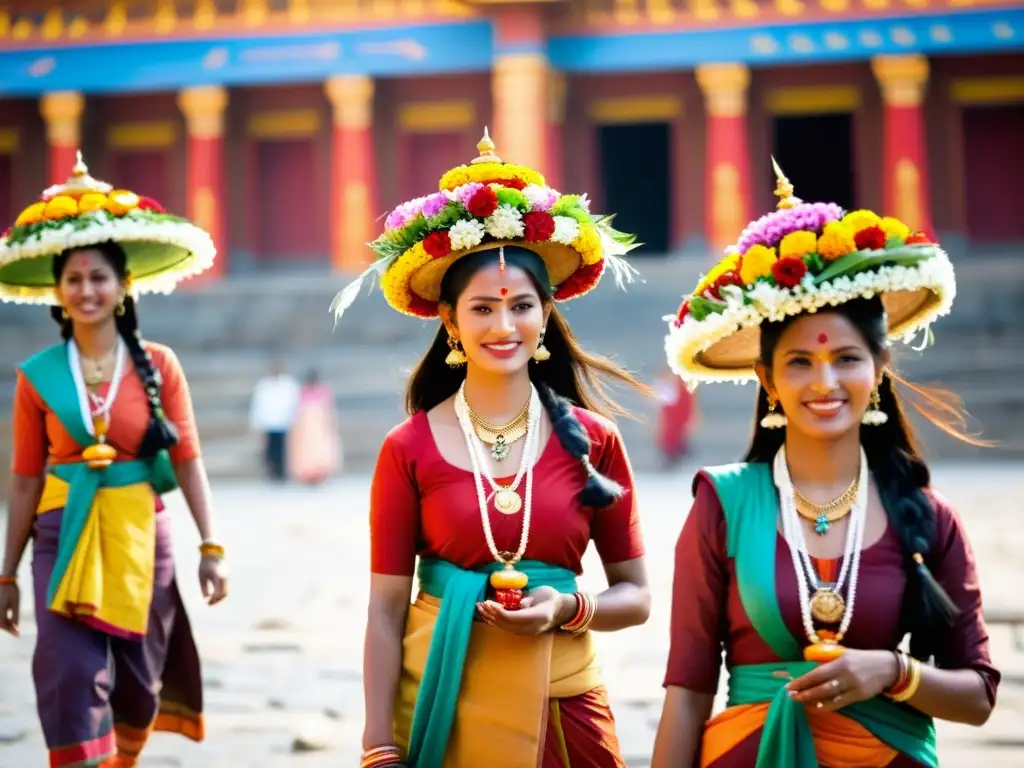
[
  {"x": 816, "y": 154},
  {"x": 993, "y": 164},
  {"x": 635, "y": 173},
  {"x": 7, "y": 212}
]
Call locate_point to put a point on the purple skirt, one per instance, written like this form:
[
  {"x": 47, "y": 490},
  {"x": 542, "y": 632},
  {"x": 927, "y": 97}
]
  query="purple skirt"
[{"x": 97, "y": 693}]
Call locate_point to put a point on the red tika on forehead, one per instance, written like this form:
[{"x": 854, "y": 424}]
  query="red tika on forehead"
[
  {"x": 822, "y": 338},
  {"x": 504, "y": 291}
]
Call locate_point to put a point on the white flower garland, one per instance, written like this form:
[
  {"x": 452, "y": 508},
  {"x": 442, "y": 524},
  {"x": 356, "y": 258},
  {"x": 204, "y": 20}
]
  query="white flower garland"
[
  {"x": 684, "y": 342},
  {"x": 128, "y": 229}
]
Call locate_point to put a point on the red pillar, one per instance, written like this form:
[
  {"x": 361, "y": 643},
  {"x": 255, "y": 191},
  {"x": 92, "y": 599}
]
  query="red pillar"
[
  {"x": 62, "y": 111},
  {"x": 727, "y": 198},
  {"x": 353, "y": 172},
  {"x": 203, "y": 107},
  {"x": 905, "y": 190},
  {"x": 554, "y": 161}
]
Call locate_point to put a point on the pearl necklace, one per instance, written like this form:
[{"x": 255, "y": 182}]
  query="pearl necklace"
[
  {"x": 92, "y": 406},
  {"x": 480, "y": 471},
  {"x": 805, "y": 572}
]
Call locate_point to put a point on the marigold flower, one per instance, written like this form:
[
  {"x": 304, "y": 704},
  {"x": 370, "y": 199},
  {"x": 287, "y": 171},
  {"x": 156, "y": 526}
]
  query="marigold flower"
[
  {"x": 798, "y": 244},
  {"x": 757, "y": 262},
  {"x": 836, "y": 241}
]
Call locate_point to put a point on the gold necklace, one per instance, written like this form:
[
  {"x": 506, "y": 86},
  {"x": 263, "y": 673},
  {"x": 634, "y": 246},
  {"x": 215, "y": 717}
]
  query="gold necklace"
[
  {"x": 96, "y": 370},
  {"x": 823, "y": 515},
  {"x": 500, "y": 437}
]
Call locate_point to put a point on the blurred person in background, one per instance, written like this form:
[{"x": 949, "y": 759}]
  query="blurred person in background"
[
  {"x": 809, "y": 563},
  {"x": 507, "y": 467},
  {"x": 676, "y": 418},
  {"x": 314, "y": 443},
  {"x": 275, "y": 402},
  {"x": 103, "y": 426}
]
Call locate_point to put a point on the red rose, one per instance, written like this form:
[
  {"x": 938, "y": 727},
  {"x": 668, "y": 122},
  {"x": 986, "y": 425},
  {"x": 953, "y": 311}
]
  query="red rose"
[
  {"x": 870, "y": 239},
  {"x": 538, "y": 226},
  {"x": 580, "y": 281},
  {"x": 789, "y": 272},
  {"x": 437, "y": 244},
  {"x": 149, "y": 204},
  {"x": 483, "y": 203},
  {"x": 919, "y": 238},
  {"x": 510, "y": 183},
  {"x": 684, "y": 310},
  {"x": 6, "y": 232},
  {"x": 727, "y": 278}
]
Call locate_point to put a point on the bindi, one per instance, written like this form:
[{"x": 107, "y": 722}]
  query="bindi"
[
  {"x": 504, "y": 291},
  {"x": 822, "y": 338}
]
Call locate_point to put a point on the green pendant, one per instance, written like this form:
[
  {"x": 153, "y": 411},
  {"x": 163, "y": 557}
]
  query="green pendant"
[
  {"x": 500, "y": 449},
  {"x": 821, "y": 525}
]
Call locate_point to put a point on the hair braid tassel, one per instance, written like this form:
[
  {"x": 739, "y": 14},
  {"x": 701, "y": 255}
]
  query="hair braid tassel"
[{"x": 599, "y": 491}]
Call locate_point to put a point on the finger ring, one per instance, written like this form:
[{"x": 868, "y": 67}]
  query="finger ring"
[
  {"x": 819, "y": 705},
  {"x": 835, "y": 683}
]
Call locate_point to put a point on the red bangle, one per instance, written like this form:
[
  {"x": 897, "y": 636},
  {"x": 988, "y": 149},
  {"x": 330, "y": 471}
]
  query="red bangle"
[
  {"x": 379, "y": 756},
  {"x": 8, "y": 580},
  {"x": 902, "y": 675}
]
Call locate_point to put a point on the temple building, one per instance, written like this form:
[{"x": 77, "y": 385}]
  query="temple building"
[{"x": 288, "y": 127}]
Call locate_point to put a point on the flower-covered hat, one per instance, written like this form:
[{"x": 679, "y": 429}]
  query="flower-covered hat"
[
  {"x": 485, "y": 205},
  {"x": 162, "y": 249},
  {"x": 800, "y": 258}
]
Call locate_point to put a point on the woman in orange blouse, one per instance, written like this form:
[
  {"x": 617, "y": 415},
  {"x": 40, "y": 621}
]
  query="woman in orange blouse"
[{"x": 103, "y": 425}]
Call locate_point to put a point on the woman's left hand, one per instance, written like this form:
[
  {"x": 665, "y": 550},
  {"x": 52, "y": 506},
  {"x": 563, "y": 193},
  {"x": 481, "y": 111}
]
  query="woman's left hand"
[
  {"x": 540, "y": 611},
  {"x": 213, "y": 579},
  {"x": 855, "y": 676}
]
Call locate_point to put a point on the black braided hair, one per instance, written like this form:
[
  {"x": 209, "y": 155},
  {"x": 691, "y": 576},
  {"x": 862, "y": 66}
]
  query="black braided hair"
[
  {"x": 161, "y": 433},
  {"x": 900, "y": 472},
  {"x": 599, "y": 491},
  {"x": 569, "y": 378}
]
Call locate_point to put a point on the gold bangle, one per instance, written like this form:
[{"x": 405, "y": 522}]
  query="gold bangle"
[
  {"x": 915, "y": 682},
  {"x": 11, "y": 580},
  {"x": 212, "y": 549}
]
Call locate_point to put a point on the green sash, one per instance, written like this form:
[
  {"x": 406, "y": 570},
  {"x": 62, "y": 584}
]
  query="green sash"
[
  {"x": 50, "y": 374},
  {"x": 750, "y": 505},
  {"x": 459, "y": 590}
]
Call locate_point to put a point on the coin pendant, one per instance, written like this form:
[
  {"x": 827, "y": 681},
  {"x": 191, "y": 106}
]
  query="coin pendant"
[
  {"x": 827, "y": 606},
  {"x": 507, "y": 501}
]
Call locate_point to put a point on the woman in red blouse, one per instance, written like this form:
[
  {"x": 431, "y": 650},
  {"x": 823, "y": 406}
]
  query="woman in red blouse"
[
  {"x": 812, "y": 561},
  {"x": 504, "y": 472}
]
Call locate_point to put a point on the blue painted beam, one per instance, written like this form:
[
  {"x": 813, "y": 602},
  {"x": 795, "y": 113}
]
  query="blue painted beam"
[
  {"x": 173, "y": 64},
  {"x": 469, "y": 47},
  {"x": 808, "y": 42}
]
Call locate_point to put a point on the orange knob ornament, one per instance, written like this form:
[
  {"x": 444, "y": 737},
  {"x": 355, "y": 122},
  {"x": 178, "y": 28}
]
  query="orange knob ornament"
[{"x": 508, "y": 585}]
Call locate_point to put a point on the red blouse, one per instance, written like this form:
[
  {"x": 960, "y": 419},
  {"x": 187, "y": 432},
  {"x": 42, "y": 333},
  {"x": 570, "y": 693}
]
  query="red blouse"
[
  {"x": 420, "y": 505},
  {"x": 708, "y": 616}
]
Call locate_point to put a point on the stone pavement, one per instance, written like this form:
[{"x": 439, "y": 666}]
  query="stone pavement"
[{"x": 282, "y": 655}]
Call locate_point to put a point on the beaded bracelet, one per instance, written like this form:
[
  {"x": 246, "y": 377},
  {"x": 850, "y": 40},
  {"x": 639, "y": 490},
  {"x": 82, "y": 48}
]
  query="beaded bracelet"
[
  {"x": 379, "y": 756},
  {"x": 586, "y": 608},
  {"x": 5, "y": 580},
  {"x": 212, "y": 549}
]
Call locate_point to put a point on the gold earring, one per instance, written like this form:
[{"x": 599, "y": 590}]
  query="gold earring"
[
  {"x": 120, "y": 307},
  {"x": 773, "y": 419},
  {"x": 64, "y": 314},
  {"x": 541, "y": 353},
  {"x": 874, "y": 416},
  {"x": 456, "y": 357}
]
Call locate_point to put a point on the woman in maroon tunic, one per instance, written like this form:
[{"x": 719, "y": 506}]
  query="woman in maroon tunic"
[
  {"x": 810, "y": 563},
  {"x": 504, "y": 402}
]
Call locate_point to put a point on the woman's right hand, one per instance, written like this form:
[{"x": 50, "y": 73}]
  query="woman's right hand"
[{"x": 10, "y": 604}]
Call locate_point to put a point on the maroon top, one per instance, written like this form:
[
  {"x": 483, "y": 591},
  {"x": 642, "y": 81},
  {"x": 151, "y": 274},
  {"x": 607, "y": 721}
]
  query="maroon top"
[
  {"x": 422, "y": 505},
  {"x": 707, "y": 614}
]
